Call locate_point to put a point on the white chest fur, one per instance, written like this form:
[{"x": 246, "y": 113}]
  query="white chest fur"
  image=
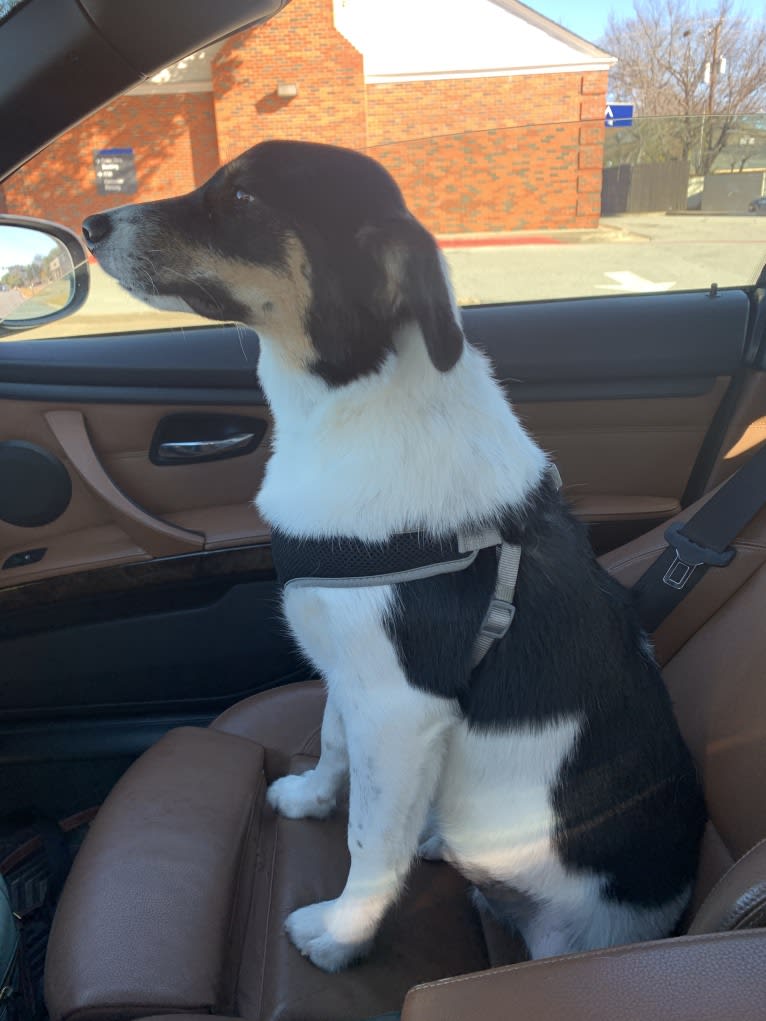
[{"x": 407, "y": 447}]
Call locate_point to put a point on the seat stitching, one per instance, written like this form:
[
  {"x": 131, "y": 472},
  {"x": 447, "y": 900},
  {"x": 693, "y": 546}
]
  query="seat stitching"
[
  {"x": 635, "y": 558},
  {"x": 750, "y": 545},
  {"x": 270, "y": 893},
  {"x": 756, "y": 915},
  {"x": 727, "y": 873},
  {"x": 752, "y": 902},
  {"x": 256, "y": 801},
  {"x": 97, "y": 1009},
  {"x": 311, "y": 737}
]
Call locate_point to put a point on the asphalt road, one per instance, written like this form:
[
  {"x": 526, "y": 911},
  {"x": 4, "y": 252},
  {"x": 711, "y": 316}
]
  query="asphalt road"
[
  {"x": 48, "y": 298},
  {"x": 653, "y": 252},
  {"x": 626, "y": 254},
  {"x": 9, "y": 302}
]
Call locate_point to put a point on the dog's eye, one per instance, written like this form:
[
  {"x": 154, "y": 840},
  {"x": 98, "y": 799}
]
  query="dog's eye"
[{"x": 243, "y": 196}]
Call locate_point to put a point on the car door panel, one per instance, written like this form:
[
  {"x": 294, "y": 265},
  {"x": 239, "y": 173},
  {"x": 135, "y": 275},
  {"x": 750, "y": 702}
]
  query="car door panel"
[
  {"x": 211, "y": 500},
  {"x": 676, "y": 335},
  {"x": 621, "y": 391},
  {"x": 745, "y": 430},
  {"x": 192, "y": 649},
  {"x": 625, "y": 459}
]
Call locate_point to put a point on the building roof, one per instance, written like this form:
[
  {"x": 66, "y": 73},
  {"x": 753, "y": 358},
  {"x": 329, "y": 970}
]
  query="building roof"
[{"x": 410, "y": 40}]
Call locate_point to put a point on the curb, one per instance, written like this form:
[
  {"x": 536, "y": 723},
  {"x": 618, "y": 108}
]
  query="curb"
[{"x": 498, "y": 241}]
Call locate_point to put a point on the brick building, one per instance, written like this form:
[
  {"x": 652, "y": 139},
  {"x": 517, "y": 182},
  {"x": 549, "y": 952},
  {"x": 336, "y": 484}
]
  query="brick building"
[{"x": 490, "y": 116}]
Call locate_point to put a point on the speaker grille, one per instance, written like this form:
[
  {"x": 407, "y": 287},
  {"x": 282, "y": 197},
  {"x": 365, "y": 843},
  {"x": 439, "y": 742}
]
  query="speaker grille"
[{"x": 35, "y": 487}]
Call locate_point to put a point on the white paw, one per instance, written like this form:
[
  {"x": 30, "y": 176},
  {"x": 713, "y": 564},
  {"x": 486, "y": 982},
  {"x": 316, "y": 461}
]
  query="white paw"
[
  {"x": 299, "y": 797},
  {"x": 308, "y": 929}
]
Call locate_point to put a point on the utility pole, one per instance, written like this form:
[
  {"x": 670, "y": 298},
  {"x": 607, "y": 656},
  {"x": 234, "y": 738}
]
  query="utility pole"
[
  {"x": 712, "y": 70},
  {"x": 713, "y": 67}
]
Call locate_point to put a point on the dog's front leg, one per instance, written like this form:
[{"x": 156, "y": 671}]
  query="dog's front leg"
[
  {"x": 396, "y": 739},
  {"x": 314, "y": 794}
]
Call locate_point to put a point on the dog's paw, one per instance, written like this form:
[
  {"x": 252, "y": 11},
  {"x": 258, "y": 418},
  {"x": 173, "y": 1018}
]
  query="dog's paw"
[
  {"x": 308, "y": 930},
  {"x": 298, "y": 797}
]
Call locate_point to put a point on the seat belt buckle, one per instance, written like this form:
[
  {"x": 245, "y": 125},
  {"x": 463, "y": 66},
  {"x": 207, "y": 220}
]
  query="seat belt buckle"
[{"x": 689, "y": 556}]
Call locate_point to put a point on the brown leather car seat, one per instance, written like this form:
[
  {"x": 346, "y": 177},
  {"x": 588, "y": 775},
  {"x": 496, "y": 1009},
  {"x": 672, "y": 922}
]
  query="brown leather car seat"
[{"x": 176, "y": 901}]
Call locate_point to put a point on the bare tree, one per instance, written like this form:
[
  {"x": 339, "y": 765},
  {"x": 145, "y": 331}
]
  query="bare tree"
[{"x": 699, "y": 72}]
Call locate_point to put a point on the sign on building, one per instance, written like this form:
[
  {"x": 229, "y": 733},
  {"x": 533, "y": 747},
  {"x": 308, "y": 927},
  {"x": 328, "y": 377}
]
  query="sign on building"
[
  {"x": 115, "y": 171},
  {"x": 619, "y": 115}
]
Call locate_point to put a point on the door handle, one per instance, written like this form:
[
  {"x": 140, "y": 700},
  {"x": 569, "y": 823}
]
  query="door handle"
[
  {"x": 180, "y": 450},
  {"x": 157, "y": 537}
]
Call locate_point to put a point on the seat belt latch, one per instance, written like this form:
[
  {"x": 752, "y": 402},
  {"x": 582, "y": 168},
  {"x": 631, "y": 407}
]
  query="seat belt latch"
[{"x": 689, "y": 556}]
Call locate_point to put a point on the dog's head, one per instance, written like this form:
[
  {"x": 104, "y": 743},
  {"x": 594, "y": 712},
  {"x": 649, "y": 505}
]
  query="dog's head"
[{"x": 311, "y": 245}]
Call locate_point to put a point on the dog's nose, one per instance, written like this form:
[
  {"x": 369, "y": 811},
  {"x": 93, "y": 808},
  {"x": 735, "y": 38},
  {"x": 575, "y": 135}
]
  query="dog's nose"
[{"x": 96, "y": 228}]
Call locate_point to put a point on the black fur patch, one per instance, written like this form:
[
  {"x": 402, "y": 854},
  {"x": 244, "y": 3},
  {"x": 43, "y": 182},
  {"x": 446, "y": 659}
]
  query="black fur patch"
[
  {"x": 353, "y": 222},
  {"x": 372, "y": 267},
  {"x": 628, "y": 802}
]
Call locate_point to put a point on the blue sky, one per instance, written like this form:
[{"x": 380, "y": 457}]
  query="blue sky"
[
  {"x": 588, "y": 17},
  {"x": 21, "y": 246}
]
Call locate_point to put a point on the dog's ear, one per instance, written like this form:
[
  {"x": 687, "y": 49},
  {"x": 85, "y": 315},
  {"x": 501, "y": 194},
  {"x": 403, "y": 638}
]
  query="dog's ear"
[{"x": 415, "y": 285}]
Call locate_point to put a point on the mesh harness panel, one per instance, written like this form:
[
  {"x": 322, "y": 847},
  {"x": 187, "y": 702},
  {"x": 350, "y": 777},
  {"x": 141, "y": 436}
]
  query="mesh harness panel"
[
  {"x": 407, "y": 556},
  {"x": 352, "y": 560},
  {"x": 343, "y": 562}
]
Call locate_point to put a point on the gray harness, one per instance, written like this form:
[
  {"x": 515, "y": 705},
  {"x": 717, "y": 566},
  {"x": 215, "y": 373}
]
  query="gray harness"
[{"x": 351, "y": 563}]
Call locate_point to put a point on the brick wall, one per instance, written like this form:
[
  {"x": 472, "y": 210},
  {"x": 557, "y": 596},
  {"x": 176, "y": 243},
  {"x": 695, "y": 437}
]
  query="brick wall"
[
  {"x": 530, "y": 159},
  {"x": 302, "y": 47},
  {"x": 175, "y": 147},
  {"x": 478, "y": 154},
  {"x": 496, "y": 180}
]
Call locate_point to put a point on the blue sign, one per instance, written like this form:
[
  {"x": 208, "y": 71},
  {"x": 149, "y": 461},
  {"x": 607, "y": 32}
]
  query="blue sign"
[
  {"x": 115, "y": 171},
  {"x": 619, "y": 115}
]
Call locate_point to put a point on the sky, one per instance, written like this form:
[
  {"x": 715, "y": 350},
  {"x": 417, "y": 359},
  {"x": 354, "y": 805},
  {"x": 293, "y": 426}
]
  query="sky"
[
  {"x": 588, "y": 18},
  {"x": 21, "y": 245}
]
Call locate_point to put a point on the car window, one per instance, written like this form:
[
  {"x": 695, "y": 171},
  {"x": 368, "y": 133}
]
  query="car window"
[
  {"x": 537, "y": 185},
  {"x": 8, "y": 6}
]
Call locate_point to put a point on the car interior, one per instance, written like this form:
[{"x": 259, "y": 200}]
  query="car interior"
[{"x": 150, "y": 691}]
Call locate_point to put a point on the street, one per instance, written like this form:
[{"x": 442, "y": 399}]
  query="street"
[
  {"x": 40, "y": 301},
  {"x": 626, "y": 254},
  {"x": 648, "y": 252},
  {"x": 9, "y": 302}
]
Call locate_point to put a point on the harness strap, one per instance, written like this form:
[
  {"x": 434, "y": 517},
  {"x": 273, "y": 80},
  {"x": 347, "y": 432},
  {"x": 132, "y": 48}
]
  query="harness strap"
[
  {"x": 351, "y": 563},
  {"x": 501, "y": 611},
  {"x": 343, "y": 562}
]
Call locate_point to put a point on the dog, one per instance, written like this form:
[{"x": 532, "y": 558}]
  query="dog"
[{"x": 551, "y": 773}]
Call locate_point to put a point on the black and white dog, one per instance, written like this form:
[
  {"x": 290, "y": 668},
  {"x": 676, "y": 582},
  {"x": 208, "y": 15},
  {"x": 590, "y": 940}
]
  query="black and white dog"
[{"x": 553, "y": 774}]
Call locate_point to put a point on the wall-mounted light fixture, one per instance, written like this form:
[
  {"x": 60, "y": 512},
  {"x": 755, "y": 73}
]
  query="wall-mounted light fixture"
[{"x": 287, "y": 90}]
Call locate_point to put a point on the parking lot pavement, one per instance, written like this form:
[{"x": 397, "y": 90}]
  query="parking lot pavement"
[
  {"x": 625, "y": 254},
  {"x": 629, "y": 254}
]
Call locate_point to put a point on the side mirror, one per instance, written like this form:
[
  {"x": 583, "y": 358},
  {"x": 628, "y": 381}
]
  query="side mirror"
[{"x": 43, "y": 273}]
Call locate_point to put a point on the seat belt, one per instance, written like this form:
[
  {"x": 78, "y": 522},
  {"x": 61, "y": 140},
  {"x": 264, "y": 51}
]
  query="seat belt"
[{"x": 701, "y": 542}]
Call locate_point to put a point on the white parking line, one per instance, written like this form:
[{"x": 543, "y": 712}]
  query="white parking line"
[{"x": 625, "y": 280}]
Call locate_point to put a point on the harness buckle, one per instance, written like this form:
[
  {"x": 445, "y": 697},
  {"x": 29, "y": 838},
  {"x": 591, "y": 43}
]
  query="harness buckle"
[
  {"x": 498, "y": 619},
  {"x": 689, "y": 556}
]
